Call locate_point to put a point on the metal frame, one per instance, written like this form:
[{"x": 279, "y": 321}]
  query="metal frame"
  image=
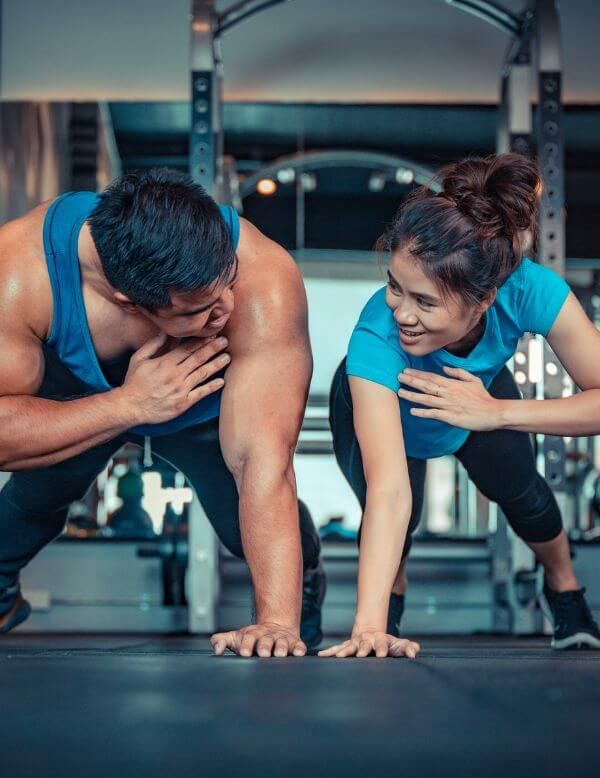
[
  {"x": 242, "y": 10},
  {"x": 516, "y": 132},
  {"x": 84, "y": 137},
  {"x": 551, "y": 250},
  {"x": 206, "y": 167},
  {"x": 490, "y": 12},
  {"x": 305, "y": 161},
  {"x": 537, "y": 47},
  {"x": 202, "y": 580},
  {"x": 206, "y": 129},
  {"x": 318, "y": 160},
  {"x": 537, "y": 29}
]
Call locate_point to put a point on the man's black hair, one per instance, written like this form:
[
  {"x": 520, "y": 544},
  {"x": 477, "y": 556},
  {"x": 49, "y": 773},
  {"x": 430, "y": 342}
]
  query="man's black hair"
[{"x": 157, "y": 232}]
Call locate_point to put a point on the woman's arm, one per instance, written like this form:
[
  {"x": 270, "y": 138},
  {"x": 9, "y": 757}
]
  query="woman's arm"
[
  {"x": 385, "y": 522},
  {"x": 463, "y": 401}
]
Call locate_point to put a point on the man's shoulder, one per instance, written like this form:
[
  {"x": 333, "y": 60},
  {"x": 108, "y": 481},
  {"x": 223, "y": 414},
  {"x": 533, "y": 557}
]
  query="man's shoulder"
[
  {"x": 25, "y": 292},
  {"x": 269, "y": 296}
]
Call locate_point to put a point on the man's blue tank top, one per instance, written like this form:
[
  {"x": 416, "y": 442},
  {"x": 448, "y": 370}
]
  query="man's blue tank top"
[{"x": 70, "y": 334}]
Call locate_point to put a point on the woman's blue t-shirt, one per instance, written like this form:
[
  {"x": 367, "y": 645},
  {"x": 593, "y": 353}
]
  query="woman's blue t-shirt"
[{"x": 529, "y": 301}]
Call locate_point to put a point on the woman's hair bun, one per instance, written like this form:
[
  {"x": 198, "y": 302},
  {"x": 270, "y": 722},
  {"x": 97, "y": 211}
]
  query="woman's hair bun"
[{"x": 499, "y": 193}]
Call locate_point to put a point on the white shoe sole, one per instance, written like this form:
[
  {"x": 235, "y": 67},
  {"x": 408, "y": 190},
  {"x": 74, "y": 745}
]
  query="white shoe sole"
[{"x": 579, "y": 639}]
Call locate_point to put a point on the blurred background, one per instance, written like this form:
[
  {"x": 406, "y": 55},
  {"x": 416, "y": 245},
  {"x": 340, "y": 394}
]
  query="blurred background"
[{"x": 322, "y": 116}]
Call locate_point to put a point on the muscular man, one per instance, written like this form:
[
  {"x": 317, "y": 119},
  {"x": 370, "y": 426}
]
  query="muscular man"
[{"x": 150, "y": 314}]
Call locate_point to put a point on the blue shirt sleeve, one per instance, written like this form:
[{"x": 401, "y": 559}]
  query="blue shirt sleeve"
[
  {"x": 370, "y": 356},
  {"x": 543, "y": 294},
  {"x": 232, "y": 220}
]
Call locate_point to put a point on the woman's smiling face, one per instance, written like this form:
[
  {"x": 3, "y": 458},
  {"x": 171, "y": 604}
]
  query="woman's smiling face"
[{"x": 426, "y": 319}]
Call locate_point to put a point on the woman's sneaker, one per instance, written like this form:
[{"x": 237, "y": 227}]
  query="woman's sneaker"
[
  {"x": 395, "y": 613},
  {"x": 571, "y": 618},
  {"x": 13, "y": 609}
]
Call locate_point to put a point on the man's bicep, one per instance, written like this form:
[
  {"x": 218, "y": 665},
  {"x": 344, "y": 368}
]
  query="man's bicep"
[
  {"x": 263, "y": 402},
  {"x": 21, "y": 364}
]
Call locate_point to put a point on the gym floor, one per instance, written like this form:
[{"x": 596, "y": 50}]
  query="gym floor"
[{"x": 150, "y": 706}]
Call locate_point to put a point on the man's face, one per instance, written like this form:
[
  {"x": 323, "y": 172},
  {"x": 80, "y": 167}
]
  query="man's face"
[{"x": 199, "y": 314}]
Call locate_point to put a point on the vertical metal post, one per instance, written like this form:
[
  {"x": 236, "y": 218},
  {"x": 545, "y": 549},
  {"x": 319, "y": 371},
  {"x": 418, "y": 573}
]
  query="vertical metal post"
[
  {"x": 514, "y": 115},
  {"x": 202, "y": 583},
  {"x": 206, "y": 167},
  {"x": 206, "y": 131},
  {"x": 551, "y": 248},
  {"x": 300, "y": 214},
  {"x": 84, "y": 146},
  {"x": 515, "y": 133},
  {"x": 536, "y": 368}
]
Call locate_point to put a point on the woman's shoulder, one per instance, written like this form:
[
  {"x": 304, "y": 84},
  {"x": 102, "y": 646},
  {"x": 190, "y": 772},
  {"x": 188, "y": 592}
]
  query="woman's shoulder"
[
  {"x": 531, "y": 278},
  {"x": 375, "y": 310},
  {"x": 525, "y": 274}
]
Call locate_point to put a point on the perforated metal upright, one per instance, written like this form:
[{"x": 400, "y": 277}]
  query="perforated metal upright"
[
  {"x": 206, "y": 128},
  {"x": 84, "y": 146},
  {"x": 205, "y": 166},
  {"x": 534, "y": 59},
  {"x": 551, "y": 244},
  {"x": 514, "y": 110}
]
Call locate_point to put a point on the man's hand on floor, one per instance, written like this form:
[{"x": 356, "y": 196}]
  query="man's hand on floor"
[{"x": 263, "y": 640}]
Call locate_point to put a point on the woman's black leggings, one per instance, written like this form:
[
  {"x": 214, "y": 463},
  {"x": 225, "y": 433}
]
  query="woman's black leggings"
[{"x": 500, "y": 463}]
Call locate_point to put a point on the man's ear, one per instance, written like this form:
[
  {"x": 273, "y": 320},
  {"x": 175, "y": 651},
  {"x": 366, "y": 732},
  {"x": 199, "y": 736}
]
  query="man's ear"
[
  {"x": 124, "y": 301},
  {"x": 488, "y": 300}
]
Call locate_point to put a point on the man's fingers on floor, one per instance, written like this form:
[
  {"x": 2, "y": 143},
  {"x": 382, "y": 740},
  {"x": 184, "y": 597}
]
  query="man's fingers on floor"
[
  {"x": 282, "y": 647},
  {"x": 300, "y": 649},
  {"x": 247, "y": 646},
  {"x": 220, "y": 642},
  {"x": 265, "y": 646}
]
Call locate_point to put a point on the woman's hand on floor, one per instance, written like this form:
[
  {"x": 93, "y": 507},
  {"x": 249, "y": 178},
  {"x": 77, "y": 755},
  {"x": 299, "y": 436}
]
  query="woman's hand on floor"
[{"x": 368, "y": 643}]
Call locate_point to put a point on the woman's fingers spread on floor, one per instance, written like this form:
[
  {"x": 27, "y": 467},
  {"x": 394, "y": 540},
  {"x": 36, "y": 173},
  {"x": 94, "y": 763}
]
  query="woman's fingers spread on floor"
[
  {"x": 331, "y": 651},
  {"x": 403, "y": 647}
]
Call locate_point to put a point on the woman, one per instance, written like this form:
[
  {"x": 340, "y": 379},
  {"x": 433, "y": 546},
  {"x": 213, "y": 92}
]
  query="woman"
[{"x": 459, "y": 297}]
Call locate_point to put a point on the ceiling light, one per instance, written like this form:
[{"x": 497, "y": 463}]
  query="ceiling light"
[
  {"x": 308, "y": 181},
  {"x": 266, "y": 187},
  {"x": 286, "y": 175},
  {"x": 404, "y": 176},
  {"x": 376, "y": 182}
]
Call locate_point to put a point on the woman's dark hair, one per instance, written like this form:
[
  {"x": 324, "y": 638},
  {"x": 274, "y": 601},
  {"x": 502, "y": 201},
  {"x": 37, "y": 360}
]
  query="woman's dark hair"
[
  {"x": 157, "y": 232},
  {"x": 466, "y": 237}
]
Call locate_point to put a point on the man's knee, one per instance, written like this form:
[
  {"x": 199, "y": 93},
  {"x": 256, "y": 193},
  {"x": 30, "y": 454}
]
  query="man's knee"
[
  {"x": 311, "y": 542},
  {"x": 50, "y": 520},
  {"x": 30, "y": 504}
]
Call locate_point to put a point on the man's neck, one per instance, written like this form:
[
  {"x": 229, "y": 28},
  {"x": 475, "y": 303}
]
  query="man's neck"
[{"x": 90, "y": 264}]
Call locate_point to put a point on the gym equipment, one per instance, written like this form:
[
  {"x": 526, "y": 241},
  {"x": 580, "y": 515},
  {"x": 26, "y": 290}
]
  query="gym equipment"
[{"x": 497, "y": 574}]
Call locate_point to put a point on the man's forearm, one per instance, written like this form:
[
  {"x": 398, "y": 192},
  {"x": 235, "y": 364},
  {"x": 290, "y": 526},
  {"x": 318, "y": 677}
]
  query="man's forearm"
[
  {"x": 271, "y": 539},
  {"x": 35, "y": 432},
  {"x": 572, "y": 416}
]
